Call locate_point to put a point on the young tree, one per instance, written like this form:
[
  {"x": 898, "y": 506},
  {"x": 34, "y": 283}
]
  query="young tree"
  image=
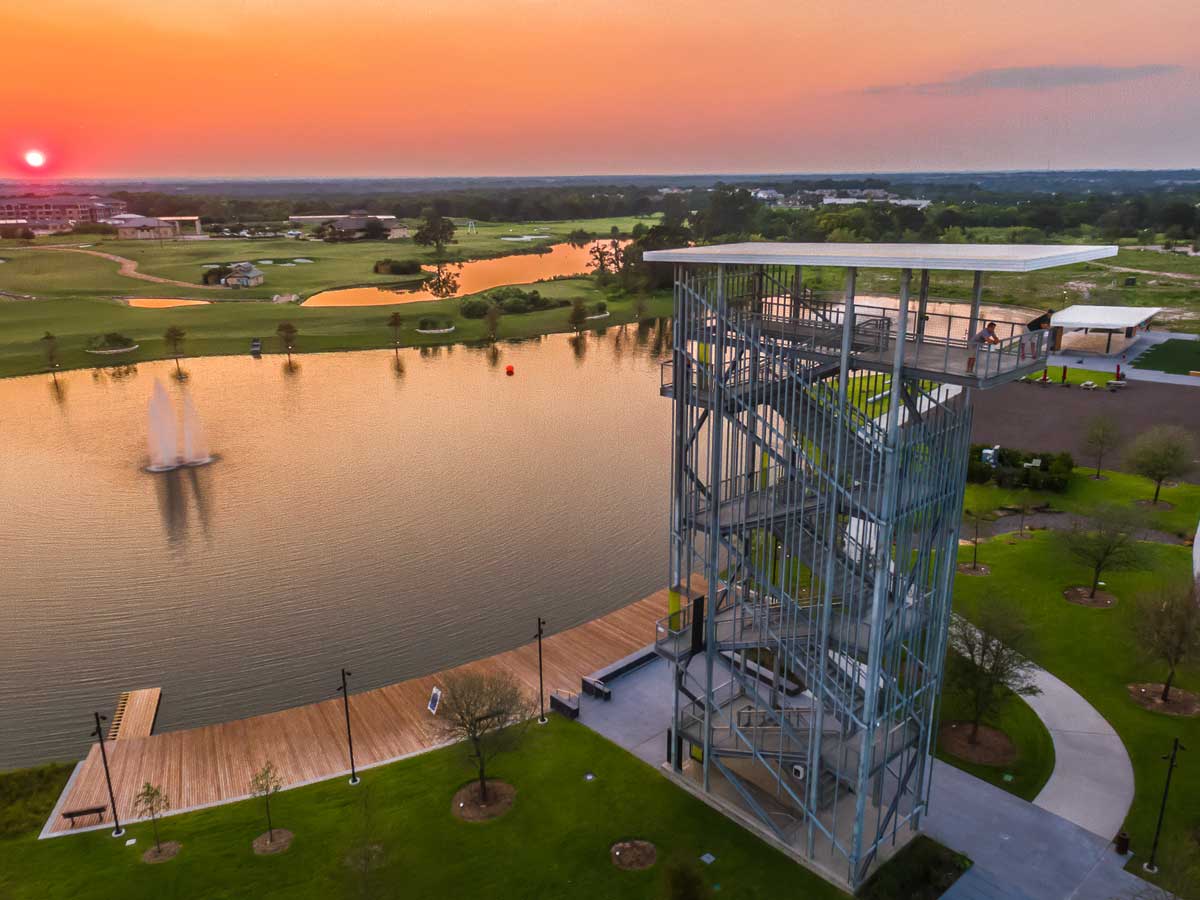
[
  {"x": 287, "y": 335},
  {"x": 396, "y": 322},
  {"x": 266, "y": 783},
  {"x": 50, "y": 351},
  {"x": 151, "y": 801},
  {"x": 602, "y": 261},
  {"x": 1106, "y": 542},
  {"x": 1168, "y": 626},
  {"x": 578, "y": 314},
  {"x": 488, "y": 712},
  {"x": 174, "y": 337},
  {"x": 976, "y": 518},
  {"x": 491, "y": 323},
  {"x": 1102, "y": 436},
  {"x": 1165, "y": 451},
  {"x": 989, "y": 658},
  {"x": 435, "y": 231}
]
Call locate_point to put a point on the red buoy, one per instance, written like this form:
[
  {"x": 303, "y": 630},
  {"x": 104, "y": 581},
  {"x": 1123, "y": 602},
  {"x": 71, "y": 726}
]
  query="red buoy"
[{"x": 508, "y": 370}]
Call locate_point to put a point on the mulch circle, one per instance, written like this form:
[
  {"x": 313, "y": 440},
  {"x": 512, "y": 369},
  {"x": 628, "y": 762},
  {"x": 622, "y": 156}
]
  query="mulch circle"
[
  {"x": 1149, "y": 696},
  {"x": 264, "y": 846},
  {"x": 467, "y": 806},
  {"x": 968, "y": 569},
  {"x": 169, "y": 850},
  {"x": 1079, "y": 596},
  {"x": 633, "y": 855},
  {"x": 993, "y": 748},
  {"x": 1161, "y": 504}
]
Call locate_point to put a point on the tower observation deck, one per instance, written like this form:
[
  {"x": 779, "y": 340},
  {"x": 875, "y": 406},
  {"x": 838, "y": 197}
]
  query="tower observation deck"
[{"x": 818, "y": 460}]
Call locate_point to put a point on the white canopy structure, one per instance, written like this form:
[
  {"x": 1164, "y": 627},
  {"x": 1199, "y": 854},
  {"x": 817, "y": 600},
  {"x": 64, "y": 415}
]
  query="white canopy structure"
[
  {"x": 943, "y": 257},
  {"x": 1104, "y": 318},
  {"x": 1122, "y": 322}
]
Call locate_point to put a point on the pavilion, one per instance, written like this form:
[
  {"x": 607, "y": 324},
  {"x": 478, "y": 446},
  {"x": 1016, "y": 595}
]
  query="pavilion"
[{"x": 1073, "y": 327}]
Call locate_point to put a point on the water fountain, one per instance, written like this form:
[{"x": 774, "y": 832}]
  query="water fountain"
[
  {"x": 195, "y": 444},
  {"x": 163, "y": 434}
]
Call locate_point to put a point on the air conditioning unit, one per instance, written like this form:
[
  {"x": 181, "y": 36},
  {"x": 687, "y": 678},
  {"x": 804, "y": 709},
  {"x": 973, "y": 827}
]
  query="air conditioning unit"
[{"x": 798, "y": 771}]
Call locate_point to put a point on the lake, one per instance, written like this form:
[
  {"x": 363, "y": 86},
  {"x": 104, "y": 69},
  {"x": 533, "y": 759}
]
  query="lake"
[
  {"x": 460, "y": 279},
  {"x": 392, "y": 522}
]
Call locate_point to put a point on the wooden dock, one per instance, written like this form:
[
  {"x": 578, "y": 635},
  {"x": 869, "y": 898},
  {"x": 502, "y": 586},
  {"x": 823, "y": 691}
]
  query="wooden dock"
[
  {"x": 213, "y": 763},
  {"x": 135, "y": 714}
]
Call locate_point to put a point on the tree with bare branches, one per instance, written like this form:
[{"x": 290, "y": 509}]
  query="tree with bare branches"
[
  {"x": 990, "y": 658},
  {"x": 488, "y": 712},
  {"x": 266, "y": 783},
  {"x": 1102, "y": 436},
  {"x": 1165, "y": 451},
  {"x": 1168, "y": 625},
  {"x": 151, "y": 802}
]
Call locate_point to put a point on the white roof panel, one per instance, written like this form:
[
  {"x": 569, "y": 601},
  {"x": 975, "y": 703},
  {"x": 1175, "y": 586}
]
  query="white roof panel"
[
  {"x": 1104, "y": 316},
  {"x": 968, "y": 257}
]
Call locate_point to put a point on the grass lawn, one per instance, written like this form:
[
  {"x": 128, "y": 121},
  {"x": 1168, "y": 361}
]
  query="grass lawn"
[
  {"x": 1035, "y": 748},
  {"x": 553, "y": 843},
  {"x": 226, "y": 328},
  {"x": 48, "y": 275},
  {"x": 1176, "y": 356},
  {"x": 1085, "y": 493},
  {"x": 1093, "y": 650}
]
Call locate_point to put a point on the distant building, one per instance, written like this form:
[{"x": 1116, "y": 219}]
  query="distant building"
[
  {"x": 144, "y": 228},
  {"x": 243, "y": 274},
  {"x": 60, "y": 210},
  {"x": 355, "y": 226},
  {"x": 767, "y": 194}
]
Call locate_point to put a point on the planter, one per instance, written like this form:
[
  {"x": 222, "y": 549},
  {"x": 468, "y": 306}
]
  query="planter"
[
  {"x": 112, "y": 351},
  {"x": 435, "y": 330}
]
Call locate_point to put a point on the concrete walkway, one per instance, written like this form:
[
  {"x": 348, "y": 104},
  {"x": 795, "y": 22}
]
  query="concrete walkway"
[
  {"x": 1092, "y": 782},
  {"x": 1022, "y": 851}
]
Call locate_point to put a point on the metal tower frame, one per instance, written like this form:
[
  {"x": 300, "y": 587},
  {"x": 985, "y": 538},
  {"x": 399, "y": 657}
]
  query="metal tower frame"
[{"x": 818, "y": 460}]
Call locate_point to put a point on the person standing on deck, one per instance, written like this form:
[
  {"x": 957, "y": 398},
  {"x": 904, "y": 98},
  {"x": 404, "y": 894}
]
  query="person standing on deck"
[{"x": 985, "y": 337}]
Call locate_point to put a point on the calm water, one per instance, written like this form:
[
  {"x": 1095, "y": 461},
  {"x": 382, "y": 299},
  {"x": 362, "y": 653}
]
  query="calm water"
[
  {"x": 460, "y": 279},
  {"x": 394, "y": 524}
]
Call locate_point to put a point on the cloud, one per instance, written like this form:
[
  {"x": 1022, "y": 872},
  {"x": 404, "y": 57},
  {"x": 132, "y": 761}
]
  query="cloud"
[{"x": 1028, "y": 78}]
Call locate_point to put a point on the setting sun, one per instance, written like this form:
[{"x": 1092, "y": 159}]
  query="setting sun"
[{"x": 35, "y": 158}]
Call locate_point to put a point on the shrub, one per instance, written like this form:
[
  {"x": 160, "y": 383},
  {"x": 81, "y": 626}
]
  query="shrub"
[
  {"x": 978, "y": 472},
  {"x": 601, "y": 308},
  {"x": 474, "y": 307},
  {"x": 397, "y": 267},
  {"x": 515, "y": 305}
]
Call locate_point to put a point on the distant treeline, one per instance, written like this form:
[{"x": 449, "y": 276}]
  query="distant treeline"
[{"x": 732, "y": 210}]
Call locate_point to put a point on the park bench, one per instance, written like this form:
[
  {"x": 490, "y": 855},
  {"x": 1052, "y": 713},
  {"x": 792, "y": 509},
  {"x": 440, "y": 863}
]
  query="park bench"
[
  {"x": 74, "y": 814},
  {"x": 595, "y": 688},
  {"x": 1089, "y": 386},
  {"x": 1115, "y": 385},
  {"x": 565, "y": 703}
]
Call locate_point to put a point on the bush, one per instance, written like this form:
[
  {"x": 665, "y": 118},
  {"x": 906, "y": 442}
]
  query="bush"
[
  {"x": 601, "y": 308},
  {"x": 429, "y": 323},
  {"x": 397, "y": 267},
  {"x": 979, "y": 472},
  {"x": 113, "y": 340},
  {"x": 474, "y": 307},
  {"x": 1054, "y": 473}
]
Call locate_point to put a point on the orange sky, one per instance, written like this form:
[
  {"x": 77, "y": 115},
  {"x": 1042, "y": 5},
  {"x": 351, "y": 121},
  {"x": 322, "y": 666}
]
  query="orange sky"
[{"x": 392, "y": 87}]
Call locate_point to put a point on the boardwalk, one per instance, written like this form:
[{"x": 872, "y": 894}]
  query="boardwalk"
[
  {"x": 136, "y": 711},
  {"x": 213, "y": 764}
]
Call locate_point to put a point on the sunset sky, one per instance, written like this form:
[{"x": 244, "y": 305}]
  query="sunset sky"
[{"x": 468, "y": 87}]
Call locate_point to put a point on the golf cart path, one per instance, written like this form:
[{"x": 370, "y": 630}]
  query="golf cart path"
[
  {"x": 1092, "y": 781},
  {"x": 129, "y": 268}
]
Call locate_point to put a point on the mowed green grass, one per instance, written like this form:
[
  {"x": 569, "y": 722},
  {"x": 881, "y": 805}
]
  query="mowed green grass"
[
  {"x": 47, "y": 274},
  {"x": 553, "y": 843},
  {"x": 1175, "y": 356},
  {"x": 226, "y": 328},
  {"x": 1095, "y": 652},
  {"x": 1085, "y": 494}
]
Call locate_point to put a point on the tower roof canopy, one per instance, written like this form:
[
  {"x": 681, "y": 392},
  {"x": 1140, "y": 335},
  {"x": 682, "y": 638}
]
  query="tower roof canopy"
[{"x": 962, "y": 257}]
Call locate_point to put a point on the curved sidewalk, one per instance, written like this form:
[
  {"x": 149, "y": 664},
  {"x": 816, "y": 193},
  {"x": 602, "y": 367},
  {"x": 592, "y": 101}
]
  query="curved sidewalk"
[{"x": 1092, "y": 782}]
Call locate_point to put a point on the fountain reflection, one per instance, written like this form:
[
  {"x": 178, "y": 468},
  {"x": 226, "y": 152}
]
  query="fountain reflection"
[{"x": 178, "y": 490}]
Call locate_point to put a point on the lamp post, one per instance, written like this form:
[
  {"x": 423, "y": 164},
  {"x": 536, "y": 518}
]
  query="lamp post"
[
  {"x": 349, "y": 736},
  {"x": 1151, "y": 865},
  {"x": 541, "y": 685},
  {"x": 112, "y": 799}
]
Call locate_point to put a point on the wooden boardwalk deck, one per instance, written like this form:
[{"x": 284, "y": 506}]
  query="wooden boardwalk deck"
[
  {"x": 213, "y": 763},
  {"x": 135, "y": 714}
]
